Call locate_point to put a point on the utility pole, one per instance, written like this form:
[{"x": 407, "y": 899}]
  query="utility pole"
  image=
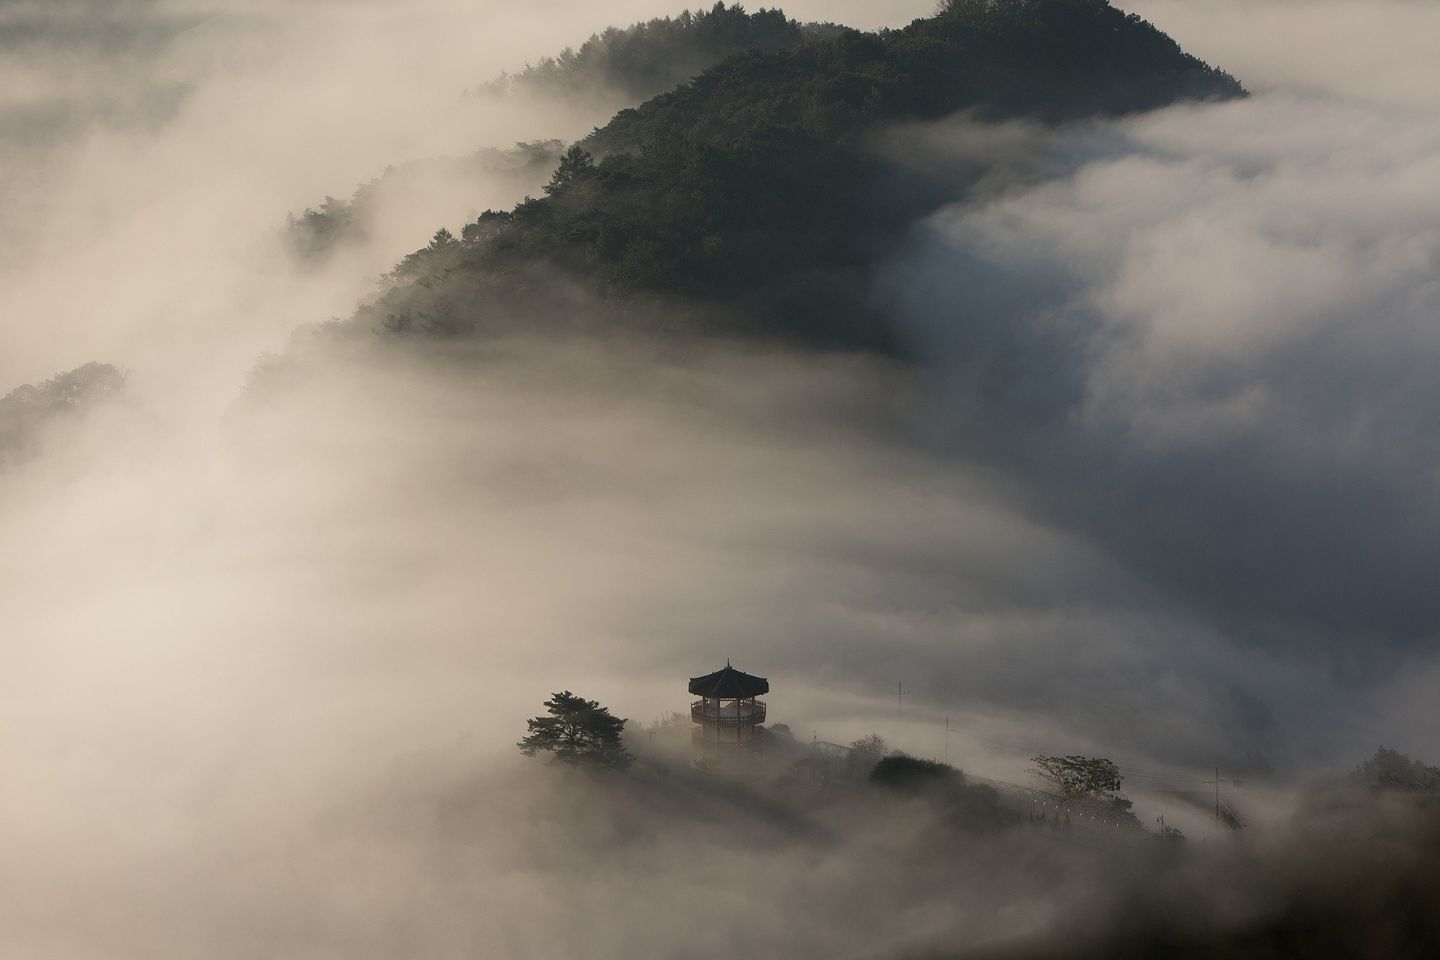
[
  {"x": 947, "y": 739},
  {"x": 899, "y": 699},
  {"x": 1217, "y": 781}
]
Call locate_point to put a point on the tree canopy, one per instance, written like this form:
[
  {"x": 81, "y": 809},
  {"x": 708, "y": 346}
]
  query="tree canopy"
[
  {"x": 864, "y": 753},
  {"x": 1089, "y": 781},
  {"x": 912, "y": 774},
  {"x": 28, "y": 409},
  {"x": 1390, "y": 771},
  {"x": 1076, "y": 776},
  {"x": 578, "y": 732},
  {"x": 636, "y": 62},
  {"x": 967, "y": 806},
  {"x": 317, "y": 232}
]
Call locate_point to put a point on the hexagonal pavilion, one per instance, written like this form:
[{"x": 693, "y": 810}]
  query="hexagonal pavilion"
[{"x": 728, "y": 715}]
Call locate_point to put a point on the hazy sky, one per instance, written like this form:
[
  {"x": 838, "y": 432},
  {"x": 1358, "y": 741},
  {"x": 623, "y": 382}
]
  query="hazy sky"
[{"x": 253, "y": 645}]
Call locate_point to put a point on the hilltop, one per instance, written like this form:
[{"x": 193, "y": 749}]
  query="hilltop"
[
  {"x": 647, "y": 58},
  {"x": 752, "y": 201}
]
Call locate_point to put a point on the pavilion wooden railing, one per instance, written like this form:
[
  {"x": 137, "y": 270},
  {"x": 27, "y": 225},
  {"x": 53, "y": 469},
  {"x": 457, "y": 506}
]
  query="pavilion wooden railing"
[{"x": 749, "y": 712}]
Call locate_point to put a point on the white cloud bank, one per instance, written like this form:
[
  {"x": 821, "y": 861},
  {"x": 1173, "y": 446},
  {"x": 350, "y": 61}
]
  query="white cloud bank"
[
  {"x": 1209, "y": 340},
  {"x": 239, "y": 651}
]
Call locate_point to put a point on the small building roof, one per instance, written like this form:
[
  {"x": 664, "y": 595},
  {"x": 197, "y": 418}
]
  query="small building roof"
[{"x": 729, "y": 684}]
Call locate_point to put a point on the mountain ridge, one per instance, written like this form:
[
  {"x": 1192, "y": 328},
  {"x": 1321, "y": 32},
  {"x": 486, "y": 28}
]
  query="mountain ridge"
[{"x": 750, "y": 194}]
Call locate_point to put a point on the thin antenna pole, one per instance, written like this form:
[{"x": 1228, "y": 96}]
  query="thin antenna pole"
[{"x": 947, "y": 739}]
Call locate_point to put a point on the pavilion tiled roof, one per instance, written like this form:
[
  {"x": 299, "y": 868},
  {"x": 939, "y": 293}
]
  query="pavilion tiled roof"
[{"x": 729, "y": 684}]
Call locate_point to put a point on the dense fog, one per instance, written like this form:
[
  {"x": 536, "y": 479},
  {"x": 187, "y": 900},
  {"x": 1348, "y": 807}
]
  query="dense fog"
[{"x": 1161, "y": 491}]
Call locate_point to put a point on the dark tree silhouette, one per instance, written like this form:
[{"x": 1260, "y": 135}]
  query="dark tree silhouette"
[
  {"x": 317, "y": 232},
  {"x": 578, "y": 732},
  {"x": 1390, "y": 771},
  {"x": 1092, "y": 782},
  {"x": 28, "y": 410},
  {"x": 574, "y": 164},
  {"x": 635, "y": 63},
  {"x": 966, "y": 806},
  {"x": 864, "y": 754},
  {"x": 1076, "y": 777},
  {"x": 914, "y": 775}
]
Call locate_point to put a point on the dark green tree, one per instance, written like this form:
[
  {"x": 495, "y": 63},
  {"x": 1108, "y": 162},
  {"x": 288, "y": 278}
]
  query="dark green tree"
[
  {"x": 1390, "y": 771},
  {"x": 635, "y": 63},
  {"x": 914, "y": 775},
  {"x": 578, "y": 732},
  {"x": 864, "y": 754},
  {"x": 1090, "y": 782},
  {"x": 966, "y": 806},
  {"x": 574, "y": 164},
  {"x": 1077, "y": 777}
]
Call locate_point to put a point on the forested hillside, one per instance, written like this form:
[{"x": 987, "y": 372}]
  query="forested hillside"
[
  {"x": 637, "y": 62},
  {"x": 318, "y": 231},
  {"x": 753, "y": 196},
  {"x": 619, "y": 66},
  {"x": 28, "y": 409}
]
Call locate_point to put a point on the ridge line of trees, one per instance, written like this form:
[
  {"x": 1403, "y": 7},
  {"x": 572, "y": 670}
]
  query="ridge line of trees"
[
  {"x": 750, "y": 193},
  {"x": 649, "y": 57}
]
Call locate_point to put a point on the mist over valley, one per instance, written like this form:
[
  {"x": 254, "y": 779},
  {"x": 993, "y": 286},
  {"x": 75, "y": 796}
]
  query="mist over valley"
[{"x": 1009, "y": 419}]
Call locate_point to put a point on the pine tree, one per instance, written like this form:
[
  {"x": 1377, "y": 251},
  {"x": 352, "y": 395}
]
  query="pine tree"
[
  {"x": 578, "y": 732},
  {"x": 574, "y": 163}
]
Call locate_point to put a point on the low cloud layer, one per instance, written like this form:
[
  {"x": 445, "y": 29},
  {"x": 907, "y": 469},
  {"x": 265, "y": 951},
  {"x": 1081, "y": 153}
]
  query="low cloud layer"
[
  {"x": 1162, "y": 494},
  {"x": 1356, "y": 51},
  {"x": 1206, "y": 344},
  {"x": 285, "y": 706}
]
